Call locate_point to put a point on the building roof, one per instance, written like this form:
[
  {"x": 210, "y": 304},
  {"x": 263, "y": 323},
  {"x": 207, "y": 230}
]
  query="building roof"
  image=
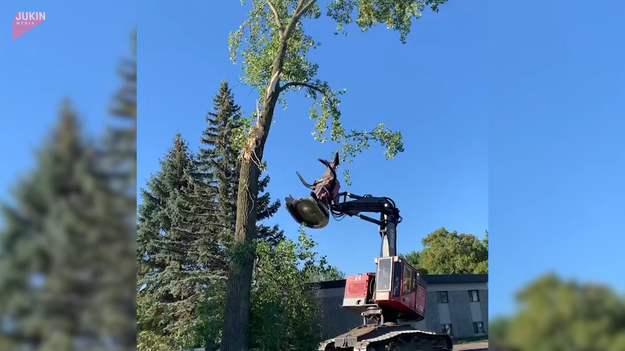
[
  {"x": 429, "y": 278},
  {"x": 455, "y": 278}
]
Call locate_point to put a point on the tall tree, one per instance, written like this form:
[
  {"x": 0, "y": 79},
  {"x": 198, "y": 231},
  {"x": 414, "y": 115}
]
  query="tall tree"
[
  {"x": 120, "y": 141},
  {"x": 117, "y": 297},
  {"x": 273, "y": 46},
  {"x": 447, "y": 252},
  {"x": 218, "y": 167}
]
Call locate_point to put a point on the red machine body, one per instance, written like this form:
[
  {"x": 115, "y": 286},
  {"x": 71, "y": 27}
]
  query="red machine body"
[{"x": 397, "y": 287}]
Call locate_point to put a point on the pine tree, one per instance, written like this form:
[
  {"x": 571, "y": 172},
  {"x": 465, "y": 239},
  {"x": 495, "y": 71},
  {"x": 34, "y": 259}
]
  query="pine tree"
[
  {"x": 217, "y": 158},
  {"x": 120, "y": 143},
  {"x": 48, "y": 242},
  {"x": 116, "y": 306},
  {"x": 177, "y": 258},
  {"x": 219, "y": 162},
  {"x": 68, "y": 242}
]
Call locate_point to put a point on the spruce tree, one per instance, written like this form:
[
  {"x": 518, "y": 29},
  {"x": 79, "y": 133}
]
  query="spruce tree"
[
  {"x": 219, "y": 161},
  {"x": 116, "y": 298},
  {"x": 217, "y": 158},
  {"x": 177, "y": 258},
  {"x": 48, "y": 243}
]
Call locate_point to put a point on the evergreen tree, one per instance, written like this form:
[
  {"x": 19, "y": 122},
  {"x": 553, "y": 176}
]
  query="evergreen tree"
[
  {"x": 120, "y": 143},
  {"x": 50, "y": 238},
  {"x": 68, "y": 242},
  {"x": 116, "y": 295},
  {"x": 177, "y": 258},
  {"x": 213, "y": 195},
  {"x": 219, "y": 162}
]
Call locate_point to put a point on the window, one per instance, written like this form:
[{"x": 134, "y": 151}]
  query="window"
[
  {"x": 383, "y": 278},
  {"x": 474, "y": 296},
  {"x": 442, "y": 297},
  {"x": 407, "y": 285},
  {"x": 478, "y": 327},
  {"x": 446, "y": 329},
  {"x": 396, "y": 278}
]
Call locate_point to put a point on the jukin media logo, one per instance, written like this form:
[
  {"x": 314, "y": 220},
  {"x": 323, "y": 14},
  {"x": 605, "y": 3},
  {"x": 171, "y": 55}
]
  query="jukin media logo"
[{"x": 25, "y": 21}]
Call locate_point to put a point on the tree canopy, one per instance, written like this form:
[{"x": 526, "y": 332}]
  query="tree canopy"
[
  {"x": 447, "y": 252},
  {"x": 557, "y": 314}
]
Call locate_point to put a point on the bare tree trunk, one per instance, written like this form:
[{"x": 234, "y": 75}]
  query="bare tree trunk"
[
  {"x": 236, "y": 328},
  {"x": 235, "y": 336},
  {"x": 236, "y": 317}
]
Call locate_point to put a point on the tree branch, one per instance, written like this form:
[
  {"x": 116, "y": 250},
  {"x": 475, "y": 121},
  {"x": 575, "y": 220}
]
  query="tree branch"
[
  {"x": 308, "y": 6},
  {"x": 275, "y": 15},
  {"x": 301, "y": 84},
  {"x": 300, "y": 9}
]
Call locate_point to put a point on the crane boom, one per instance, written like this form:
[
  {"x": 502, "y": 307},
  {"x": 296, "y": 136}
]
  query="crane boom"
[{"x": 389, "y": 217}]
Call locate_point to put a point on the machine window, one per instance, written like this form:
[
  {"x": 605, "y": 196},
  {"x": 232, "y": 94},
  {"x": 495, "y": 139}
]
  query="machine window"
[
  {"x": 396, "y": 278},
  {"x": 407, "y": 283},
  {"x": 384, "y": 274}
]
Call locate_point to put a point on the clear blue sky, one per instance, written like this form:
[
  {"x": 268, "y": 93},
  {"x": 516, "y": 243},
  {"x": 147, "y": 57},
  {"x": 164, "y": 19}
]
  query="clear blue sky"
[
  {"x": 512, "y": 117},
  {"x": 556, "y": 107},
  {"x": 74, "y": 53}
]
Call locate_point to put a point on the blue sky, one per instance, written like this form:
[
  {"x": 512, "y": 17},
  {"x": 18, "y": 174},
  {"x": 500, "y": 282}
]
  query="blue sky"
[
  {"x": 512, "y": 116},
  {"x": 556, "y": 103},
  {"x": 74, "y": 53}
]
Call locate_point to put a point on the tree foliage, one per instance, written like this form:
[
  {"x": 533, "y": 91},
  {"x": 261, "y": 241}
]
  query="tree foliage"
[
  {"x": 176, "y": 254},
  {"x": 285, "y": 311},
  {"x": 218, "y": 163},
  {"x": 451, "y": 253},
  {"x": 556, "y": 314},
  {"x": 272, "y": 46}
]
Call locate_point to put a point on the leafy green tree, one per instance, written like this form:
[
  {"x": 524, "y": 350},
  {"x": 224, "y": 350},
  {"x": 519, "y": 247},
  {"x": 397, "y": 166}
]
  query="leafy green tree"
[
  {"x": 564, "y": 315},
  {"x": 285, "y": 311},
  {"x": 451, "y": 253},
  {"x": 273, "y": 47}
]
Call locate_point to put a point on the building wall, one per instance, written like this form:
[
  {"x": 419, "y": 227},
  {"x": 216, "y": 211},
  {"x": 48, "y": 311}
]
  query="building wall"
[
  {"x": 336, "y": 320},
  {"x": 460, "y": 312}
]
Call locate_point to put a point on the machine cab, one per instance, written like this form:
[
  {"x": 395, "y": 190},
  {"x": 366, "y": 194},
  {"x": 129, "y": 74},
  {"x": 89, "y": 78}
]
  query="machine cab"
[{"x": 399, "y": 287}]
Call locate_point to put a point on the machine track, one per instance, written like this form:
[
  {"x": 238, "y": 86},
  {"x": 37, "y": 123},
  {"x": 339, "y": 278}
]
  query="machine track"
[{"x": 387, "y": 338}]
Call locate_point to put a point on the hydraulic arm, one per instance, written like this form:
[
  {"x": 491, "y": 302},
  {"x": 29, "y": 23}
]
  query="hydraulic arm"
[{"x": 389, "y": 217}]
